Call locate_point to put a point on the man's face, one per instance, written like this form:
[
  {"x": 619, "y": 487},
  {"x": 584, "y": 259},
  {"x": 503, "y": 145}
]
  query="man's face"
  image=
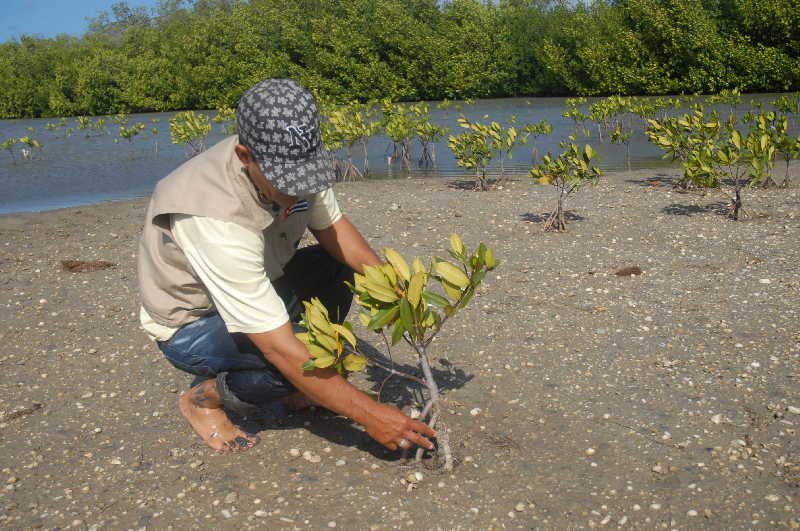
[{"x": 260, "y": 181}]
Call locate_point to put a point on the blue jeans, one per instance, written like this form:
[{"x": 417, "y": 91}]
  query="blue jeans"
[{"x": 246, "y": 381}]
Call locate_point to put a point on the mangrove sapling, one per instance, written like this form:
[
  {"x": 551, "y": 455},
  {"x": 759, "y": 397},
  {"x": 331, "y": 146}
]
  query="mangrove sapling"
[
  {"x": 731, "y": 98},
  {"x": 130, "y": 133},
  {"x": 500, "y": 140},
  {"x": 400, "y": 124},
  {"x": 534, "y": 131},
  {"x": 472, "y": 149},
  {"x": 576, "y": 114},
  {"x": 789, "y": 104},
  {"x": 428, "y": 133},
  {"x": 32, "y": 143},
  {"x": 776, "y": 127},
  {"x": 682, "y": 136},
  {"x": 192, "y": 129},
  {"x": 8, "y": 145},
  {"x": 226, "y": 117},
  {"x": 568, "y": 173},
  {"x": 620, "y": 135},
  {"x": 401, "y": 303}
]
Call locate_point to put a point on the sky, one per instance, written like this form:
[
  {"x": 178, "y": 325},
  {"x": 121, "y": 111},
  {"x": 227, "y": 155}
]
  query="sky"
[{"x": 48, "y": 18}]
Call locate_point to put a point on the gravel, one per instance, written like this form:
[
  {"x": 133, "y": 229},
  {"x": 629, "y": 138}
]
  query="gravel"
[{"x": 667, "y": 399}]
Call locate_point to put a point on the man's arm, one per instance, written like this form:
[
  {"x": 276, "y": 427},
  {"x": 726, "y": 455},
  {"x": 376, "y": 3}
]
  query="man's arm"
[
  {"x": 344, "y": 242},
  {"x": 384, "y": 423}
]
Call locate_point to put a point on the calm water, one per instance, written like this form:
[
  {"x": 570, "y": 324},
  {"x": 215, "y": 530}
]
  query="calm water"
[{"x": 78, "y": 170}]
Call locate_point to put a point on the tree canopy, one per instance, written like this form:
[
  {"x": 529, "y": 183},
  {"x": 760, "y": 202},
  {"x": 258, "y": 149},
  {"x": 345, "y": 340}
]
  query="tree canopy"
[{"x": 191, "y": 54}]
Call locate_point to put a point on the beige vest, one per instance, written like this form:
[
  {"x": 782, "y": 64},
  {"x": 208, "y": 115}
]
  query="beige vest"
[{"x": 212, "y": 184}]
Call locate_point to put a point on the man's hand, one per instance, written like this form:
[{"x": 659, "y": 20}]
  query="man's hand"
[
  {"x": 384, "y": 423},
  {"x": 394, "y": 430}
]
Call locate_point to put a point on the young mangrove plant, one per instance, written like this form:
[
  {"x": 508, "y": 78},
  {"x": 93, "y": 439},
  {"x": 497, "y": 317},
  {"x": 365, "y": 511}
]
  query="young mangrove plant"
[
  {"x": 192, "y": 129},
  {"x": 575, "y": 113},
  {"x": 428, "y": 133},
  {"x": 402, "y": 302},
  {"x": 130, "y": 133},
  {"x": 226, "y": 117},
  {"x": 723, "y": 160},
  {"x": 472, "y": 149},
  {"x": 346, "y": 126},
  {"x": 534, "y": 131},
  {"x": 568, "y": 173},
  {"x": 400, "y": 124}
]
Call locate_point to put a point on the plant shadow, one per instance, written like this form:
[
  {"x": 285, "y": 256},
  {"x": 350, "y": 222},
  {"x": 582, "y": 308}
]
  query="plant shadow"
[
  {"x": 472, "y": 184},
  {"x": 342, "y": 431},
  {"x": 541, "y": 218},
  {"x": 659, "y": 179},
  {"x": 678, "y": 209}
]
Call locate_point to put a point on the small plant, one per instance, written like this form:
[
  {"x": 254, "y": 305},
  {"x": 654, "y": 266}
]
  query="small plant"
[
  {"x": 534, "y": 131},
  {"x": 190, "y": 128},
  {"x": 226, "y": 117},
  {"x": 400, "y": 124},
  {"x": 472, "y": 149},
  {"x": 402, "y": 303},
  {"x": 428, "y": 133},
  {"x": 8, "y": 145},
  {"x": 130, "y": 133},
  {"x": 576, "y": 114},
  {"x": 568, "y": 173},
  {"x": 346, "y": 126}
]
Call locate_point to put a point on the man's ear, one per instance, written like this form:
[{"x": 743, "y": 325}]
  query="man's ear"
[{"x": 244, "y": 154}]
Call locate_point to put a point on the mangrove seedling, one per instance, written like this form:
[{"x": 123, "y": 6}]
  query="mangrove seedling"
[
  {"x": 472, "y": 149},
  {"x": 130, "y": 133},
  {"x": 428, "y": 133},
  {"x": 568, "y": 173},
  {"x": 576, "y": 114},
  {"x": 534, "y": 131},
  {"x": 190, "y": 128},
  {"x": 400, "y": 124},
  {"x": 226, "y": 117},
  {"x": 402, "y": 302}
]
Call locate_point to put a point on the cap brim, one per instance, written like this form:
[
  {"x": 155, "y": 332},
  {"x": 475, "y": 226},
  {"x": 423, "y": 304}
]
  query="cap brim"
[{"x": 302, "y": 177}]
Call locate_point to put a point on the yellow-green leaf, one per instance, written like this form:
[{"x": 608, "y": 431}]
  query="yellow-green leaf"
[
  {"x": 418, "y": 266},
  {"x": 355, "y": 362},
  {"x": 326, "y": 341},
  {"x": 375, "y": 274},
  {"x": 452, "y": 291},
  {"x": 456, "y": 244},
  {"x": 324, "y": 361},
  {"x": 415, "y": 287},
  {"x": 398, "y": 262},
  {"x": 380, "y": 292},
  {"x": 316, "y": 350},
  {"x": 452, "y": 274},
  {"x": 488, "y": 259},
  {"x": 304, "y": 337},
  {"x": 347, "y": 334},
  {"x": 364, "y": 318}
]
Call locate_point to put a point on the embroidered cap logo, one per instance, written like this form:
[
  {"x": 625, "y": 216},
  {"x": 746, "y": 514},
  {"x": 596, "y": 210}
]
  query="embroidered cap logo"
[{"x": 300, "y": 133}]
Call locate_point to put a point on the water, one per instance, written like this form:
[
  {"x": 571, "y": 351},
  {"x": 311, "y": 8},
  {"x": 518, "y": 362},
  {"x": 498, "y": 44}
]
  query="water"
[{"x": 78, "y": 170}]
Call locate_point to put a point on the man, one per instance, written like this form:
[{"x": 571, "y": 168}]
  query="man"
[{"x": 221, "y": 278}]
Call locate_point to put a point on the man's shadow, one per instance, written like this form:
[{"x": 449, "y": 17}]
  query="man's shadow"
[{"x": 386, "y": 387}]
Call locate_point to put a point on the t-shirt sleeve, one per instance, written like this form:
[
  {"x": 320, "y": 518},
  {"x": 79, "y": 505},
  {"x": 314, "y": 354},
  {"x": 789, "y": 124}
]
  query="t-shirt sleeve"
[
  {"x": 229, "y": 260},
  {"x": 325, "y": 211}
]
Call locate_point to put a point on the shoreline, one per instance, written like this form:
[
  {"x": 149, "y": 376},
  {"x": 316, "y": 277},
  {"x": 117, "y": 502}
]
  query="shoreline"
[{"x": 669, "y": 398}]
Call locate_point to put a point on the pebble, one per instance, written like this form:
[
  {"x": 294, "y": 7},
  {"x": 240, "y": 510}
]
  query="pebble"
[
  {"x": 414, "y": 477},
  {"x": 716, "y": 419},
  {"x": 794, "y": 410},
  {"x": 691, "y": 512},
  {"x": 294, "y": 452},
  {"x": 341, "y": 462},
  {"x": 332, "y": 523},
  {"x": 519, "y": 507},
  {"x": 475, "y": 411},
  {"x": 772, "y": 497},
  {"x": 260, "y": 513},
  {"x": 590, "y": 451},
  {"x": 655, "y": 506},
  {"x": 311, "y": 457},
  {"x": 765, "y": 281},
  {"x": 231, "y": 497},
  {"x": 226, "y": 513}
]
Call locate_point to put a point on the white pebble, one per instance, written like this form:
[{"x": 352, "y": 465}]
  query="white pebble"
[
  {"x": 331, "y": 524},
  {"x": 765, "y": 281},
  {"x": 260, "y": 513},
  {"x": 691, "y": 512},
  {"x": 519, "y": 507},
  {"x": 341, "y": 462},
  {"x": 294, "y": 452},
  {"x": 794, "y": 410},
  {"x": 655, "y": 506},
  {"x": 226, "y": 513},
  {"x": 772, "y": 497},
  {"x": 475, "y": 411}
]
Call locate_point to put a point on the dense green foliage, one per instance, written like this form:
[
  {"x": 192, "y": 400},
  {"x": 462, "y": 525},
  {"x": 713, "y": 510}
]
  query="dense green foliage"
[{"x": 191, "y": 54}]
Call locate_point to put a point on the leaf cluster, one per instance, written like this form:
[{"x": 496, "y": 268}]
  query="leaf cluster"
[
  {"x": 330, "y": 344},
  {"x": 190, "y": 128},
  {"x": 570, "y": 170}
]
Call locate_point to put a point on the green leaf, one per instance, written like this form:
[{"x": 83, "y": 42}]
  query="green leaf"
[
  {"x": 435, "y": 299},
  {"x": 397, "y": 332},
  {"x": 347, "y": 334},
  {"x": 406, "y": 314},
  {"x": 384, "y": 317},
  {"x": 309, "y": 365},
  {"x": 456, "y": 244},
  {"x": 415, "y": 288}
]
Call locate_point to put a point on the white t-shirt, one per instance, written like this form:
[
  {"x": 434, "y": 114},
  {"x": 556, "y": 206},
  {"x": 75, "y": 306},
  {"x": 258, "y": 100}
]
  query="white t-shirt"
[{"x": 234, "y": 265}]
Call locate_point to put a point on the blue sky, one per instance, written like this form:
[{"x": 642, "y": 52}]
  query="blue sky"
[{"x": 48, "y": 18}]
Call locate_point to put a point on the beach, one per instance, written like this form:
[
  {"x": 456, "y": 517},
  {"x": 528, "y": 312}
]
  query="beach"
[{"x": 573, "y": 397}]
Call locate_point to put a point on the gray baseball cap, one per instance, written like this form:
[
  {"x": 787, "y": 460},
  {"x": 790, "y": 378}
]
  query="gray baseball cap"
[{"x": 278, "y": 121}]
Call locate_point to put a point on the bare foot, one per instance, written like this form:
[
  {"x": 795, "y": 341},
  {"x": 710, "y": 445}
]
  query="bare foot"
[{"x": 202, "y": 408}]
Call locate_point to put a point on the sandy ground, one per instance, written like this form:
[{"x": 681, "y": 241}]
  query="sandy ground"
[{"x": 574, "y": 398}]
